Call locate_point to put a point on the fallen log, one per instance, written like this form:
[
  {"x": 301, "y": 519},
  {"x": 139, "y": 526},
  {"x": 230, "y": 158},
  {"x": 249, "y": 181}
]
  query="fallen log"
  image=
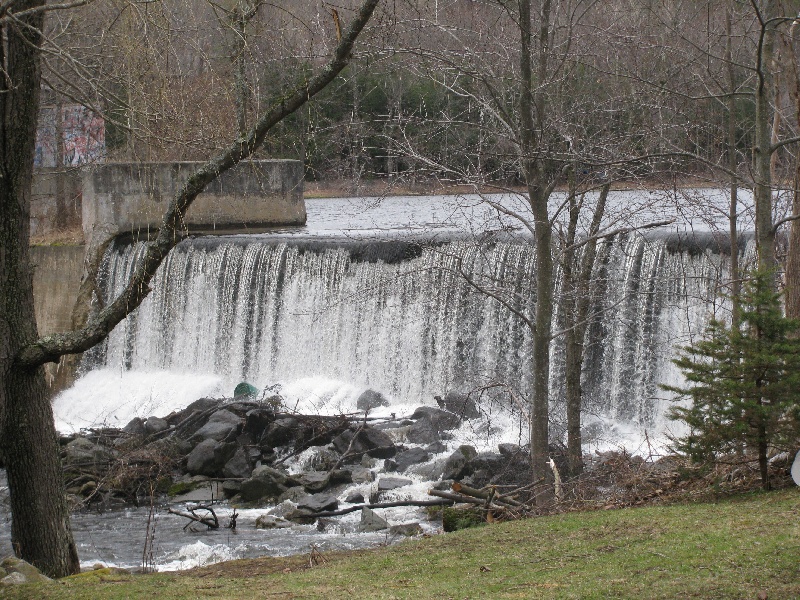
[
  {"x": 485, "y": 494},
  {"x": 344, "y": 511},
  {"x": 468, "y": 500}
]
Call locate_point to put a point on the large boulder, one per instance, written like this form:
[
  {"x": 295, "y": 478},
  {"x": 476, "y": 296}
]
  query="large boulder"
[
  {"x": 324, "y": 459},
  {"x": 155, "y": 425},
  {"x": 209, "y": 457},
  {"x": 390, "y": 483},
  {"x": 134, "y": 427},
  {"x": 280, "y": 433},
  {"x": 83, "y": 454},
  {"x": 407, "y": 458},
  {"x": 370, "y": 521},
  {"x": 314, "y": 481},
  {"x": 441, "y": 420},
  {"x": 369, "y": 441},
  {"x": 222, "y": 425},
  {"x": 266, "y": 482},
  {"x": 460, "y": 404},
  {"x": 371, "y": 399},
  {"x": 238, "y": 467},
  {"x": 457, "y": 464},
  {"x": 359, "y": 474},
  {"x": 485, "y": 468},
  {"x": 256, "y": 422},
  {"x": 318, "y": 503},
  {"x": 21, "y": 572},
  {"x": 422, "y": 432},
  {"x": 272, "y": 522}
]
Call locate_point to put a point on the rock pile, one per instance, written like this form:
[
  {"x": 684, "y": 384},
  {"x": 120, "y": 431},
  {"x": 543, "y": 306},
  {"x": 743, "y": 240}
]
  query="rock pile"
[{"x": 243, "y": 447}]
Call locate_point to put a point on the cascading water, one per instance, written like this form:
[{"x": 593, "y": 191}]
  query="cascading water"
[
  {"x": 352, "y": 301},
  {"x": 402, "y": 318}
]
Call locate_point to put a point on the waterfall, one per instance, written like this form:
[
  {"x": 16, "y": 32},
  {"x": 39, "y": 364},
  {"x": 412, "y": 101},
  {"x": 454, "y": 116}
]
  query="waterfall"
[{"x": 403, "y": 319}]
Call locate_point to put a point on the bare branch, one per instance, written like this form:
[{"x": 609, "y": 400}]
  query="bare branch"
[{"x": 51, "y": 348}]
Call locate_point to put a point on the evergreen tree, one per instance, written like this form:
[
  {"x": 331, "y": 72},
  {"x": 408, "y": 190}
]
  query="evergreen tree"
[{"x": 743, "y": 382}]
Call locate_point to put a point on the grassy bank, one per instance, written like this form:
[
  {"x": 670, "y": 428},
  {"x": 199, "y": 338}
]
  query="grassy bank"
[{"x": 736, "y": 548}]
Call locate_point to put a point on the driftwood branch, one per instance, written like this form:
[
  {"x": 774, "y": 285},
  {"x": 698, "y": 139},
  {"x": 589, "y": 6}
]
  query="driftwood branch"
[
  {"x": 209, "y": 520},
  {"x": 51, "y": 348}
]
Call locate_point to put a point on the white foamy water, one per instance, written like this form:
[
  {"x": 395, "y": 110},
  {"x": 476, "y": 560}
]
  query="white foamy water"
[{"x": 112, "y": 397}]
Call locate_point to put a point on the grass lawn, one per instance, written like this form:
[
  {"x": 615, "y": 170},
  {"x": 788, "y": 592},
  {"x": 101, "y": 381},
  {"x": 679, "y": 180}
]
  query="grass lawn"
[{"x": 740, "y": 547}]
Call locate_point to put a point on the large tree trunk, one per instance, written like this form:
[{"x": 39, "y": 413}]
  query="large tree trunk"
[
  {"x": 40, "y": 531},
  {"x": 538, "y": 195},
  {"x": 762, "y": 151}
]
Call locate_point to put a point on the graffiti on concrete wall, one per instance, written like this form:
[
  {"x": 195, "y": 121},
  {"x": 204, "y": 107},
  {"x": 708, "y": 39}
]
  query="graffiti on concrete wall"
[{"x": 81, "y": 131}]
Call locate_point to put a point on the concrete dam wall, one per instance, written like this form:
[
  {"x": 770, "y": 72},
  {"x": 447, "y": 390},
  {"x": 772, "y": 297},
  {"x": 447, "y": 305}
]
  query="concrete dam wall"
[{"x": 119, "y": 199}]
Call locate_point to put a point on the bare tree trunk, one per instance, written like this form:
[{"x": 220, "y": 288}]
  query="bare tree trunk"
[
  {"x": 577, "y": 323},
  {"x": 538, "y": 195},
  {"x": 792, "y": 290},
  {"x": 733, "y": 168},
  {"x": 762, "y": 151},
  {"x": 40, "y": 531}
]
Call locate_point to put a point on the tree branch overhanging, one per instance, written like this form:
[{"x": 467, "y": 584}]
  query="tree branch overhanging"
[{"x": 51, "y": 348}]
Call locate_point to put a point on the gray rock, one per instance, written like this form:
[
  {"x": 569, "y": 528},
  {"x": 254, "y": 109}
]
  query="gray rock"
[
  {"x": 457, "y": 464},
  {"x": 370, "y": 441},
  {"x": 411, "y": 457},
  {"x": 266, "y": 482},
  {"x": 294, "y": 494},
  {"x": 256, "y": 421},
  {"x": 283, "y": 508},
  {"x": 280, "y": 433},
  {"x": 462, "y": 405},
  {"x": 298, "y": 515},
  {"x": 509, "y": 450},
  {"x": 341, "y": 476},
  {"x": 155, "y": 425},
  {"x": 272, "y": 522},
  {"x": 370, "y": 521},
  {"x": 389, "y": 465},
  {"x": 203, "y": 404},
  {"x": 134, "y": 427},
  {"x": 238, "y": 466},
  {"x": 13, "y": 579},
  {"x": 361, "y": 475},
  {"x": 318, "y": 503},
  {"x": 390, "y": 483},
  {"x": 440, "y": 419},
  {"x": 81, "y": 451},
  {"x": 222, "y": 425},
  {"x": 436, "y": 448},
  {"x": 314, "y": 481},
  {"x": 407, "y": 529},
  {"x": 14, "y": 565},
  {"x": 371, "y": 399},
  {"x": 231, "y": 488},
  {"x": 324, "y": 524},
  {"x": 488, "y": 461},
  {"x": 209, "y": 457},
  {"x": 324, "y": 459},
  {"x": 423, "y": 432},
  {"x": 355, "y": 498}
]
